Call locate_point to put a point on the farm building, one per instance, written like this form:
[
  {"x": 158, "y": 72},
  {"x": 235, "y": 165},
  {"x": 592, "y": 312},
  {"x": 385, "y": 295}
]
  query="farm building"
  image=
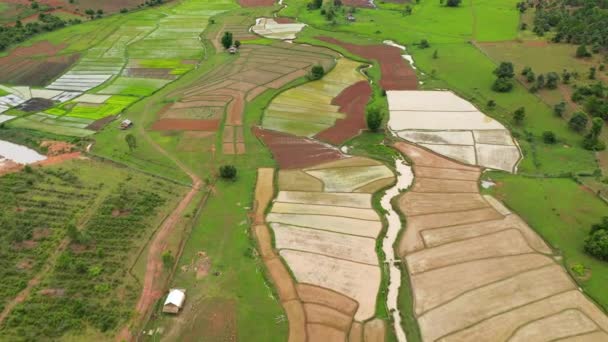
[
  {"x": 233, "y": 49},
  {"x": 175, "y": 301},
  {"x": 126, "y": 124},
  {"x": 351, "y": 17}
]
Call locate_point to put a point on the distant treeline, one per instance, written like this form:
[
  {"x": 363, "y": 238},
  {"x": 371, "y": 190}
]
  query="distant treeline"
[
  {"x": 574, "y": 21},
  {"x": 10, "y": 35}
]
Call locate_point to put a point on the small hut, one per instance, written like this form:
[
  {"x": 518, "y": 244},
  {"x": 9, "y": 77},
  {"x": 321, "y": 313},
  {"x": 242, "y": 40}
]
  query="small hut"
[
  {"x": 350, "y": 17},
  {"x": 126, "y": 124},
  {"x": 175, "y": 301},
  {"x": 233, "y": 49}
]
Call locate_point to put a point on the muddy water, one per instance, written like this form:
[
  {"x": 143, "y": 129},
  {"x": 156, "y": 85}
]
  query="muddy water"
[
  {"x": 19, "y": 154},
  {"x": 405, "y": 177}
]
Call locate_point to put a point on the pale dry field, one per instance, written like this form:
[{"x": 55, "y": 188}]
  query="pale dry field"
[
  {"x": 480, "y": 273},
  {"x": 451, "y": 126}
]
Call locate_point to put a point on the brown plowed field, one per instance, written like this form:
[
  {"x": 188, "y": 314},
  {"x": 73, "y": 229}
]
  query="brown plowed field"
[
  {"x": 352, "y": 102},
  {"x": 186, "y": 125},
  {"x": 256, "y": 3},
  {"x": 23, "y": 67},
  {"x": 78, "y": 7},
  {"x": 396, "y": 72},
  {"x": 293, "y": 152},
  {"x": 234, "y": 84},
  {"x": 358, "y": 3},
  {"x": 478, "y": 272}
]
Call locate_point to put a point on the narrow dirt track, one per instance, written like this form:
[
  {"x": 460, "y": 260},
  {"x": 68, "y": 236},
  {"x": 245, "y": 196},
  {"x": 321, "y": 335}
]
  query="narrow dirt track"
[{"x": 152, "y": 289}]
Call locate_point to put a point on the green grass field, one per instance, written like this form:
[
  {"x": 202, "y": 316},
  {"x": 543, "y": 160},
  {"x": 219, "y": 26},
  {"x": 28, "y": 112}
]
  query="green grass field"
[{"x": 562, "y": 212}]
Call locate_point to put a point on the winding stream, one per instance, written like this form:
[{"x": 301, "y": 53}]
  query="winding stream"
[{"x": 405, "y": 177}]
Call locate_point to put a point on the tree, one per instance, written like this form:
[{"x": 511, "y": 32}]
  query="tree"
[
  {"x": 581, "y": 52},
  {"x": 314, "y": 4},
  {"x": 504, "y": 70},
  {"x": 596, "y": 243},
  {"x": 237, "y": 43},
  {"x": 491, "y": 104},
  {"x": 559, "y": 109},
  {"x": 424, "y": 44},
  {"x": 592, "y": 73},
  {"x": 552, "y": 79},
  {"x": 502, "y": 85},
  {"x": 453, "y": 3},
  {"x": 131, "y": 142},
  {"x": 168, "y": 259},
  {"x": 407, "y": 10},
  {"x": 592, "y": 141},
  {"x": 549, "y": 137},
  {"x": 519, "y": 115},
  {"x": 374, "y": 119},
  {"x": 566, "y": 75},
  {"x": 530, "y": 77},
  {"x": 540, "y": 81},
  {"x": 316, "y": 72},
  {"x": 578, "y": 122},
  {"x": 227, "y": 40},
  {"x": 228, "y": 172}
]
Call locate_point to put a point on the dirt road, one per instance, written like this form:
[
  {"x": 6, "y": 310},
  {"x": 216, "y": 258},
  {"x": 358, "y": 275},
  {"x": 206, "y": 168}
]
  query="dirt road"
[{"x": 152, "y": 287}]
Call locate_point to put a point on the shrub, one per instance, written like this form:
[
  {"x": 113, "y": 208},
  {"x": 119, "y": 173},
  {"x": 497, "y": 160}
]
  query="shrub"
[
  {"x": 374, "y": 119},
  {"x": 519, "y": 115},
  {"x": 502, "y": 85},
  {"x": 424, "y": 44},
  {"x": 582, "y": 52},
  {"x": 227, "y": 40},
  {"x": 597, "y": 244},
  {"x": 549, "y": 137},
  {"x": 453, "y": 3},
  {"x": 316, "y": 73},
  {"x": 228, "y": 172},
  {"x": 168, "y": 259},
  {"x": 578, "y": 122}
]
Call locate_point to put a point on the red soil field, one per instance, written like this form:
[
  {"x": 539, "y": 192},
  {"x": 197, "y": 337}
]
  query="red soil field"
[
  {"x": 284, "y": 20},
  {"x": 186, "y": 125},
  {"x": 396, "y": 72},
  {"x": 293, "y": 152},
  {"x": 352, "y": 102},
  {"x": 256, "y": 3},
  {"x": 21, "y": 68},
  {"x": 358, "y": 3},
  {"x": 108, "y": 6}
]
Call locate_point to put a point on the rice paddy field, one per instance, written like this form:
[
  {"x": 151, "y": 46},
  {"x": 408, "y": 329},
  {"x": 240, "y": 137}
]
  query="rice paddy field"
[{"x": 293, "y": 248}]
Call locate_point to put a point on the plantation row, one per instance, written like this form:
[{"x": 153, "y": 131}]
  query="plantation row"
[
  {"x": 32, "y": 221},
  {"x": 89, "y": 285}
]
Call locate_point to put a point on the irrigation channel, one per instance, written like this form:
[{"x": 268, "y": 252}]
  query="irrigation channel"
[{"x": 405, "y": 177}]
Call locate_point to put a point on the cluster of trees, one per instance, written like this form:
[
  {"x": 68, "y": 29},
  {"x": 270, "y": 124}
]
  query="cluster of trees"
[
  {"x": 574, "y": 21},
  {"x": 549, "y": 80},
  {"x": 228, "y": 41},
  {"x": 596, "y": 243},
  {"x": 504, "y": 77},
  {"x": 10, "y": 35}
]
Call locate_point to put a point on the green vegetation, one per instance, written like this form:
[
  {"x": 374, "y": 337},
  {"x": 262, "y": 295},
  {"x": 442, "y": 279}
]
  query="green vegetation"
[
  {"x": 597, "y": 242},
  {"x": 133, "y": 86},
  {"x": 562, "y": 212},
  {"x": 104, "y": 214}
]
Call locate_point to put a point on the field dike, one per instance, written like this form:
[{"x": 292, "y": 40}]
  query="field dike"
[{"x": 405, "y": 178}]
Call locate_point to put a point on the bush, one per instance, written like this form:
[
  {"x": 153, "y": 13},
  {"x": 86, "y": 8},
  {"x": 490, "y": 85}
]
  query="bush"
[
  {"x": 578, "y": 122},
  {"x": 519, "y": 115},
  {"x": 228, "y": 172},
  {"x": 316, "y": 73},
  {"x": 502, "y": 85},
  {"x": 549, "y": 137},
  {"x": 582, "y": 52},
  {"x": 453, "y": 3},
  {"x": 597, "y": 244},
  {"x": 168, "y": 259},
  {"x": 374, "y": 119},
  {"x": 424, "y": 44}
]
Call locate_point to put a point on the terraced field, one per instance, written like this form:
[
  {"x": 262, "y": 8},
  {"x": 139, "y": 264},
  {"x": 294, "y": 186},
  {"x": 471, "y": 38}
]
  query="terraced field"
[
  {"x": 308, "y": 110},
  {"x": 462, "y": 248},
  {"x": 221, "y": 96},
  {"x": 447, "y": 124},
  {"x": 325, "y": 230},
  {"x": 137, "y": 58}
]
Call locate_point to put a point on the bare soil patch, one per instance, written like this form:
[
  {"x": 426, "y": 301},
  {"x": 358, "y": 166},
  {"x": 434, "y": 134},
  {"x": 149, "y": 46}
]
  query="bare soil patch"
[
  {"x": 98, "y": 125},
  {"x": 264, "y": 192},
  {"x": 186, "y": 125},
  {"x": 23, "y": 65},
  {"x": 318, "y": 295},
  {"x": 35, "y": 105},
  {"x": 293, "y": 152},
  {"x": 352, "y": 102},
  {"x": 256, "y": 3},
  {"x": 41, "y": 233},
  {"x": 215, "y": 321},
  {"x": 55, "y": 148},
  {"x": 396, "y": 73}
]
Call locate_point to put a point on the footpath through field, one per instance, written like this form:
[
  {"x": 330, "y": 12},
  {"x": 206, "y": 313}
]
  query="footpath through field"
[{"x": 153, "y": 285}]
